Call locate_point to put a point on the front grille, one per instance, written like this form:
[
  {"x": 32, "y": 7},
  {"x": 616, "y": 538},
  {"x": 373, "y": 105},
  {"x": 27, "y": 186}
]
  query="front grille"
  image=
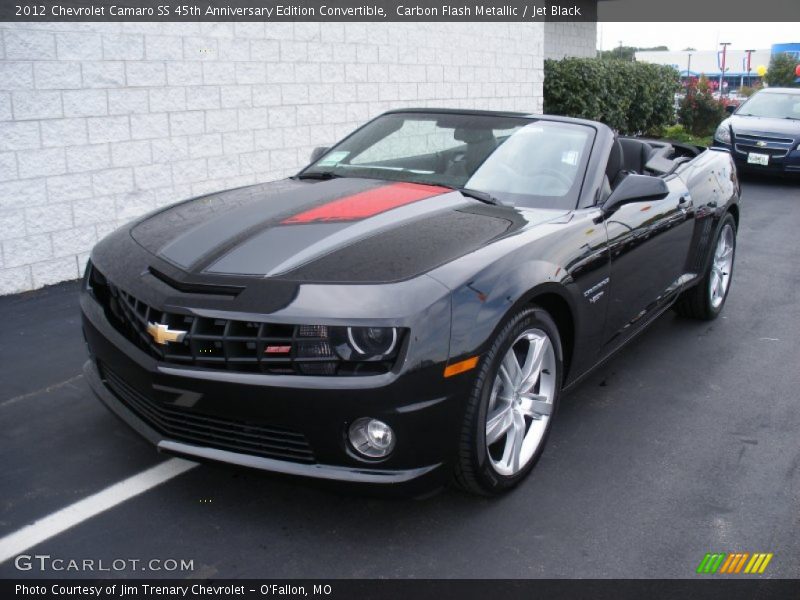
[
  {"x": 776, "y": 147},
  {"x": 180, "y": 424},
  {"x": 747, "y": 137},
  {"x": 225, "y": 344}
]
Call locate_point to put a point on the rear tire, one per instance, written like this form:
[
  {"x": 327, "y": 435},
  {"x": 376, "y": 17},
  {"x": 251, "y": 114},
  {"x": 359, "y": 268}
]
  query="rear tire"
[
  {"x": 707, "y": 298},
  {"x": 512, "y": 410}
]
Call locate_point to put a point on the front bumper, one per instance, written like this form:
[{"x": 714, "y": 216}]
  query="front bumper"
[
  {"x": 217, "y": 415},
  {"x": 789, "y": 164}
]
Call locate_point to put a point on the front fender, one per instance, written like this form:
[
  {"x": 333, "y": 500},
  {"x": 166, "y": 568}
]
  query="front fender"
[
  {"x": 567, "y": 258},
  {"x": 481, "y": 305}
]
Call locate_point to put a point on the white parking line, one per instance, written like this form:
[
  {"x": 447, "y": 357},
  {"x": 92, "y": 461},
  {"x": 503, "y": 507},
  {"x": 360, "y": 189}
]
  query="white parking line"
[
  {"x": 58, "y": 522},
  {"x": 46, "y": 390}
]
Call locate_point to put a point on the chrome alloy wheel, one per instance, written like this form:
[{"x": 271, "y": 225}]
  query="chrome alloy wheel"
[
  {"x": 521, "y": 402},
  {"x": 721, "y": 267}
]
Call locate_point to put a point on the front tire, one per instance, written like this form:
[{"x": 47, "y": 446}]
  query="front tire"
[
  {"x": 706, "y": 299},
  {"x": 511, "y": 405}
]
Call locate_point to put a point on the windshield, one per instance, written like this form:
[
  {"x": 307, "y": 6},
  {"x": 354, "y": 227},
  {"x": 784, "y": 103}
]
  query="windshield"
[
  {"x": 773, "y": 105},
  {"x": 518, "y": 161}
]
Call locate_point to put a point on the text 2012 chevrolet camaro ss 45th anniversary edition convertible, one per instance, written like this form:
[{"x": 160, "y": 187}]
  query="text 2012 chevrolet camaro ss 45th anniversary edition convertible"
[{"x": 410, "y": 306}]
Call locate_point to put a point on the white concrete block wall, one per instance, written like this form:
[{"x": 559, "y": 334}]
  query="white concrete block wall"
[
  {"x": 570, "y": 39},
  {"x": 100, "y": 123}
]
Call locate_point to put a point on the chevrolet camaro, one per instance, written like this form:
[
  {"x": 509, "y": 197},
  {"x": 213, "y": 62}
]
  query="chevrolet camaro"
[{"x": 409, "y": 308}]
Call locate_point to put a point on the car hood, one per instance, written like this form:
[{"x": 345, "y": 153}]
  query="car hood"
[
  {"x": 338, "y": 230},
  {"x": 765, "y": 126}
]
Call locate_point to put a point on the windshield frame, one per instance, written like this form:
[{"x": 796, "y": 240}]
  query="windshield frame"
[{"x": 573, "y": 199}]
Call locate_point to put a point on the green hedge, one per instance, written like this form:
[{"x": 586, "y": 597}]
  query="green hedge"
[{"x": 631, "y": 97}]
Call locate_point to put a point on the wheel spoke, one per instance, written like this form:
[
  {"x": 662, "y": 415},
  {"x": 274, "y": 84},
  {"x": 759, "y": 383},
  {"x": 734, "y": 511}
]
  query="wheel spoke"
[
  {"x": 534, "y": 405},
  {"x": 513, "y": 371},
  {"x": 495, "y": 392},
  {"x": 715, "y": 280},
  {"x": 533, "y": 362},
  {"x": 498, "y": 424},
  {"x": 518, "y": 438},
  {"x": 506, "y": 379}
]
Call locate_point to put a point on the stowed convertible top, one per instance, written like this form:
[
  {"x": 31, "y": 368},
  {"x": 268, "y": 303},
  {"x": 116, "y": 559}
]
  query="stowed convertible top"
[{"x": 653, "y": 157}]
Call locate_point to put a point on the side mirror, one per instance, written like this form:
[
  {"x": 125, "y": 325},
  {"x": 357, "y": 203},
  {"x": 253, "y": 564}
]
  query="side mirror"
[
  {"x": 730, "y": 108},
  {"x": 636, "y": 188},
  {"x": 318, "y": 152}
]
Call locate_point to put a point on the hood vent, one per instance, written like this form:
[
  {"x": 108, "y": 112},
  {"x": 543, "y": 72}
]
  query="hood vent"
[{"x": 230, "y": 291}]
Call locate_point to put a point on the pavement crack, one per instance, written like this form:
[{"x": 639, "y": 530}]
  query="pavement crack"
[{"x": 46, "y": 390}]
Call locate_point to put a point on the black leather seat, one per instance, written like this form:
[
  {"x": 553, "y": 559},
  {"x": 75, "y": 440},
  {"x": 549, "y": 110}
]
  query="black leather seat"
[
  {"x": 635, "y": 154},
  {"x": 479, "y": 144},
  {"x": 614, "y": 167}
]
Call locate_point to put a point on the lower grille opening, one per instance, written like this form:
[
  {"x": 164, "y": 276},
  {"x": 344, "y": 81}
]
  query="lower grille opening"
[{"x": 183, "y": 425}]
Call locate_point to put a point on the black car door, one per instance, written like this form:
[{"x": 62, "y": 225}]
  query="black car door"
[{"x": 649, "y": 242}]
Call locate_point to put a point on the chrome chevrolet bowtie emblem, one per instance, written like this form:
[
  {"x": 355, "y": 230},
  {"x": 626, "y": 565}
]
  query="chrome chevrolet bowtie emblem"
[
  {"x": 162, "y": 334},
  {"x": 761, "y": 144}
]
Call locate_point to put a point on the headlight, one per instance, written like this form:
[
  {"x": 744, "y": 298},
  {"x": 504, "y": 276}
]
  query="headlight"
[
  {"x": 723, "y": 133},
  {"x": 365, "y": 343},
  {"x": 372, "y": 341},
  {"x": 331, "y": 349}
]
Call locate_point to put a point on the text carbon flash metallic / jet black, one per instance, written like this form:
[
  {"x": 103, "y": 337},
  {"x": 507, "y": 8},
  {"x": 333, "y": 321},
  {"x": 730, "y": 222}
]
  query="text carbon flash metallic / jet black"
[{"x": 364, "y": 320}]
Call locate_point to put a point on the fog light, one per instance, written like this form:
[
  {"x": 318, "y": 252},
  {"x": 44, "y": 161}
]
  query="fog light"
[{"x": 371, "y": 438}]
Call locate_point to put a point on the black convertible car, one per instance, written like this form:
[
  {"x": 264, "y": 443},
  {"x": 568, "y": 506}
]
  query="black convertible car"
[{"x": 410, "y": 306}]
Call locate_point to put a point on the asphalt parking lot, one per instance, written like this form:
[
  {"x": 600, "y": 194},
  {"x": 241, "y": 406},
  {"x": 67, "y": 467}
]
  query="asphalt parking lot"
[{"x": 687, "y": 442}]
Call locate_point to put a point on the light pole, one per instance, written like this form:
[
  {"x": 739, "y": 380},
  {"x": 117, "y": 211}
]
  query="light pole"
[
  {"x": 722, "y": 74},
  {"x": 688, "y": 67},
  {"x": 749, "y": 54}
]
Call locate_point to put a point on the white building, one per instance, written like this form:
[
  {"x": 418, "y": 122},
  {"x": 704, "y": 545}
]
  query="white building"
[
  {"x": 102, "y": 122},
  {"x": 709, "y": 63}
]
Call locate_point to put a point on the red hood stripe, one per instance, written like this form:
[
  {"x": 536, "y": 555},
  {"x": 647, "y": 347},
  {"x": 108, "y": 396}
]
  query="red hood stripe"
[{"x": 368, "y": 204}]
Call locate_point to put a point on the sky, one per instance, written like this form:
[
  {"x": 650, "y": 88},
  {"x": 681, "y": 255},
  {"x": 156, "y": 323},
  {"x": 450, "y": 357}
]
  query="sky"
[{"x": 702, "y": 36}]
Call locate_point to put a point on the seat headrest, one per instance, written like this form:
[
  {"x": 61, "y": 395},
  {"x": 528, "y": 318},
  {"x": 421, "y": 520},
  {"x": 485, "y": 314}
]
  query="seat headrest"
[
  {"x": 473, "y": 136},
  {"x": 615, "y": 160},
  {"x": 635, "y": 154}
]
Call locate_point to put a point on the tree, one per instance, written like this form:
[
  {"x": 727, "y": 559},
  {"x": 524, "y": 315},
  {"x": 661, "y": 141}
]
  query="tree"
[
  {"x": 699, "y": 112},
  {"x": 689, "y": 49},
  {"x": 627, "y": 53},
  {"x": 619, "y": 53},
  {"x": 781, "y": 70}
]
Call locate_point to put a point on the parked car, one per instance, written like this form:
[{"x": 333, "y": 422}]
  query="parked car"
[
  {"x": 410, "y": 307},
  {"x": 763, "y": 133}
]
